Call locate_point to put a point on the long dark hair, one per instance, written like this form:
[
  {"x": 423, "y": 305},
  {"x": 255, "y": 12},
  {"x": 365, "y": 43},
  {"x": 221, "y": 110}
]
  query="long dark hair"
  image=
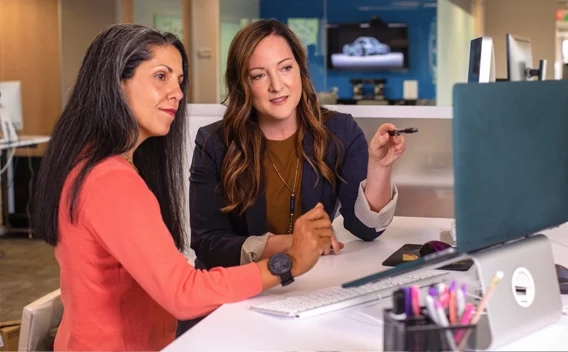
[
  {"x": 241, "y": 170},
  {"x": 97, "y": 123}
]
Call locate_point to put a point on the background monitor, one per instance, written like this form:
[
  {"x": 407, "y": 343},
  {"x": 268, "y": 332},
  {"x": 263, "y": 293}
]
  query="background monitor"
[
  {"x": 11, "y": 101},
  {"x": 520, "y": 66},
  {"x": 374, "y": 45},
  {"x": 481, "y": 60}
]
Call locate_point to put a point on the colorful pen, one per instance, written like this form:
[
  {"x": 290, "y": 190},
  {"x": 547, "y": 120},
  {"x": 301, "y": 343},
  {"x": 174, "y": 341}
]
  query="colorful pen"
[
  {"x": 490, "y": 289},
  {"x": 407, "y": 301},
  {"x": 430, "y": 307},
  {"x": 460, "y": 299},
  {"x": 432, "y": 291},
  {"x": 464, "y": 320},
  {"x": 452, "y": 304},
  {"x": 441, "y": 288},
  {"x": 443, "y": 295},
  {"x": 443, "y": 322},
  {"x": 415, "y": 292},
  {"x": 481, "y": 306}
]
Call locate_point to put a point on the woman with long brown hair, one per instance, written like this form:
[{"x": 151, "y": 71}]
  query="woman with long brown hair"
[{"x": 276, "y": 153}]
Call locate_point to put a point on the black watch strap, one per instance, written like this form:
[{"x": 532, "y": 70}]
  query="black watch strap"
[{"x": 286, "y": 278}]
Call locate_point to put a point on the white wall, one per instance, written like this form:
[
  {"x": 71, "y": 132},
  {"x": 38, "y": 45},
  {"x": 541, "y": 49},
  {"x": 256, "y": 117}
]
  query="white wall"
[{"x": 456, "y": 28}]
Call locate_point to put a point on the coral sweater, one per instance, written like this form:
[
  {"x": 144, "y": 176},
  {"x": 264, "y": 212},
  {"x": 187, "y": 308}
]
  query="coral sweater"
[{"x": 123, "y": 282}]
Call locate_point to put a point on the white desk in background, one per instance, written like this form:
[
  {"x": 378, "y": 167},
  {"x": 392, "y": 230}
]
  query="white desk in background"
[
  {"x": 25, "y": 141},
  {"x": 234, "y": 327},
  {"x": 7, "y": 148}
]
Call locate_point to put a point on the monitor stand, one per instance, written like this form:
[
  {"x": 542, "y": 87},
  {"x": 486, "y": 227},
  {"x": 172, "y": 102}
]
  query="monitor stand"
[{"x": 526, "y": 299}]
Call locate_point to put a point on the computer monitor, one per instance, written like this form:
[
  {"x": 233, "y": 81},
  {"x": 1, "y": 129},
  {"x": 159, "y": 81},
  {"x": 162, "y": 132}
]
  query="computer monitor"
[
  {"x": 510, "y": 145},
  {"x": 481, "y": 60},
  {"x": 11, "y": 102},
  {"x": 508, "y": 182},
  {"x": 520, "y": 65}
]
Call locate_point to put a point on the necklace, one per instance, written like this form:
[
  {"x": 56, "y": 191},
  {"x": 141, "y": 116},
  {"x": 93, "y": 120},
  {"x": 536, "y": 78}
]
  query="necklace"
[
  {"x": 131, "y": 162},
  {"x": 292, "y": 190}
]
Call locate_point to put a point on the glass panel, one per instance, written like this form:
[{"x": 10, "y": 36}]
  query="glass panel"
[
  {"x": 164, "y": 15},
  {"x": 305, "y": 17}
]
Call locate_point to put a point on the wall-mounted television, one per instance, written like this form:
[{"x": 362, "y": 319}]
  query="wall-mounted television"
[{"x": 374, "y": 46}]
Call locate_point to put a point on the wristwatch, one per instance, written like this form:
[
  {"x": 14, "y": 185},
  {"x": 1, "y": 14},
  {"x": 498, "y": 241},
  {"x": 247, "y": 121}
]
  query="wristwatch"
[{"x": 280, "y": 264}]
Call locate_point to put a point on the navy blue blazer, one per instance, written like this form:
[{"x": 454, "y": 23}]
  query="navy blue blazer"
[{"x": 217, "y": 237}]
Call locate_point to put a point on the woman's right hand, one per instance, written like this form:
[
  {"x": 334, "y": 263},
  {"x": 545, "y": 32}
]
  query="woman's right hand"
[{"x": 312, "y": 236}]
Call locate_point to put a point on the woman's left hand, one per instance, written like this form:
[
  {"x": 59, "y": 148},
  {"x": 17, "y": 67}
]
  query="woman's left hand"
[{"x": 385, "y": 149}]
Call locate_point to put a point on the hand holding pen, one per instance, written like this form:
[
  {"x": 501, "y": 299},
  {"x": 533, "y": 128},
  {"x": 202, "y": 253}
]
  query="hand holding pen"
[{"x": 387, "y": 145}]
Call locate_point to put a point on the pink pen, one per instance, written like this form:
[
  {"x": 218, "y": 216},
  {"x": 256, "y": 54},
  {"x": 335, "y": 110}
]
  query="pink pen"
[
  {"x": 444, "y": 298},
  {"x": 415, "y": 292},
  {"x": 464, "y": 320}
]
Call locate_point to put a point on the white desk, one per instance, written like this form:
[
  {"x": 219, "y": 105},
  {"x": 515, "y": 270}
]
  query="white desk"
[
  {"x": 233, "y": 327},
  {"x": 25, "y": 141},
  {"x": 5, "y": 149}
]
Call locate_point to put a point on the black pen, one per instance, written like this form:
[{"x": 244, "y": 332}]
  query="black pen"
[{"x": 405, "y": 130}]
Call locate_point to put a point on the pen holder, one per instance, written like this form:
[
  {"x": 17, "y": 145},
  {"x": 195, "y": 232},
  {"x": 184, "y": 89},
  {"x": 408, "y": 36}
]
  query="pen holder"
[{"x": 422, "y": 334}]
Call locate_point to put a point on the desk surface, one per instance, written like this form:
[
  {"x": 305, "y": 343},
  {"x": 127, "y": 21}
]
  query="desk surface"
[
  {"x": 236, "y": 328},
  {"x": 25, "y": 141}
]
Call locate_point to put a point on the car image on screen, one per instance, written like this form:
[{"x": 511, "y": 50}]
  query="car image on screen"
[{"x": 364, "y": 46}]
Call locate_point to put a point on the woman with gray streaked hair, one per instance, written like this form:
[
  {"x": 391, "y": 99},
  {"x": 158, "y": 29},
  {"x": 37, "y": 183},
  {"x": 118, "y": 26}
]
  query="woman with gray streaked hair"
[{"x": 108, "y": 199}]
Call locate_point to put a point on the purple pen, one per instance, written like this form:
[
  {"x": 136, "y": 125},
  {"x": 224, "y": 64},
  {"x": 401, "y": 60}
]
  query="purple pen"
[
  {"x": 407, "y": 301},
  {"x": 453, "y": 285},
  {"x": 432, "y": 291}
]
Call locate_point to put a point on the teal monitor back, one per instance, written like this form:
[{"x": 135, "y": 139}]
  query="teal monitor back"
[{"x": 510, "y": 156}]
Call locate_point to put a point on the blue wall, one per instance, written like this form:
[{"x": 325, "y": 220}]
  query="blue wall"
[{"x": 419, "y": 15}]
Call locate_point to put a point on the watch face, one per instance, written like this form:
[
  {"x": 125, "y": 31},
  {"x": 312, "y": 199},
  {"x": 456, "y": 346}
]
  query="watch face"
[{"x": 280, "y": 263}]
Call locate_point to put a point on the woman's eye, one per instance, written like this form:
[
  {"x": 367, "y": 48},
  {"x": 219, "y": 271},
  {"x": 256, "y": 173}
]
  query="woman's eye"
[
  {"x": 160, "y": 76},
  {"x": 287, "y": 68},
  {"x": 257, "y": 77}
]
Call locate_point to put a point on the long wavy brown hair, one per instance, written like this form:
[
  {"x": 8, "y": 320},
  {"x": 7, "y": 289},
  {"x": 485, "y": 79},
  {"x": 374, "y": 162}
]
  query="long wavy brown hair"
[{"x": 241, "y": 171}]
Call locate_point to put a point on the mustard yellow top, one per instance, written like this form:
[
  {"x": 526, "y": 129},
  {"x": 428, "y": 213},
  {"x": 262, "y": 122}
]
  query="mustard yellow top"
[{"x": 281, "y": 156}]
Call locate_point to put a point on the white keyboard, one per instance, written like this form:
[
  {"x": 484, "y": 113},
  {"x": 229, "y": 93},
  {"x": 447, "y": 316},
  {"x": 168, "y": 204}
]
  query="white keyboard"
[{"x": 335, "y": 298}]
